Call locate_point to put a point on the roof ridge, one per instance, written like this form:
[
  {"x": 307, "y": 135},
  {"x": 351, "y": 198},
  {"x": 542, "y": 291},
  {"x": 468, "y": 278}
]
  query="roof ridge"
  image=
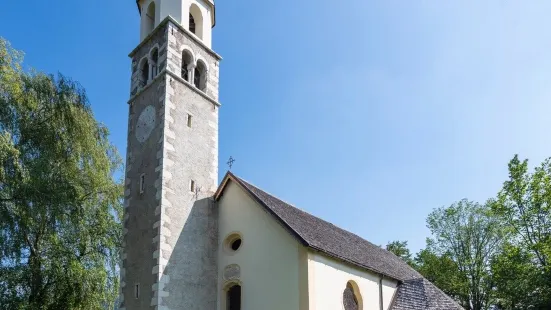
[
  {"x": 326, "y": 237},
  {"x": 302, "y": 210},
  {"x": 274, "y": 196}
]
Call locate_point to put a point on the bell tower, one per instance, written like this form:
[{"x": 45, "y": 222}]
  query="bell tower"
[{"x": 169, "y": 258}]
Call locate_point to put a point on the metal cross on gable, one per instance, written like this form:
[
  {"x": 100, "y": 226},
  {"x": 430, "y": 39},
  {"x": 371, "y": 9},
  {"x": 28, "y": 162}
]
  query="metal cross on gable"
[{"x": 230, "y": 162}]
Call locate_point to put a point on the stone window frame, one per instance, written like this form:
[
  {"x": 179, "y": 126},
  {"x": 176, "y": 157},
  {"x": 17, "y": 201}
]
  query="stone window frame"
[
  {"x": 191, "y": 66},
  {"x": 229, "y": 239},
  {"x": 150, "y": 63},
  {"x": 144, "y": 61},
  {"x": 151, "y": 23},
  {"x": 196, "y": 58},
  {"x": 203, "y": 84},
  {"x": 192, "y": 185},
  {"x": 225, "y": 289},
  {"x": 154, "y": 65},
  {"x": 357, "y": 294},
  {"x": 189, "y": 119},
  {"x": 194, "y": 10}
]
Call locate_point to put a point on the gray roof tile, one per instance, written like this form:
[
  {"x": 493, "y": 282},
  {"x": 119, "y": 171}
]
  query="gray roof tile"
[{"x": 420, "y": 294}]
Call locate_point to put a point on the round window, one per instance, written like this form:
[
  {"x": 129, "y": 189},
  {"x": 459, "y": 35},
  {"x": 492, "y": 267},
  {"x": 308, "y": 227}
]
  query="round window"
[
  {"x": 233, "y": 242},
  {"x": 236, "y": 244}
]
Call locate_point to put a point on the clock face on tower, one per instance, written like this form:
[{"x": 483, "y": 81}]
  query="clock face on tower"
[{"x": 145, "y": 124}]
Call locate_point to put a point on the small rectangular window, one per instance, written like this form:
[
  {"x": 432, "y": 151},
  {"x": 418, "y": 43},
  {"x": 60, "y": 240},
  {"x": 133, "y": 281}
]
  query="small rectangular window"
[
  {"x": 192, "y": 186},
  {"x": 137, "y": 291},
  {"x": 189, "y": 117},
  {"x": 142, "y": 183},
  {"x": 233, "y": 298}
]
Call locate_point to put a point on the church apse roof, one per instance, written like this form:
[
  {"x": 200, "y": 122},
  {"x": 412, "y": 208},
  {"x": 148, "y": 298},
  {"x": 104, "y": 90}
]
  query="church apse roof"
[
  {"x": 336, "y": 242},
  {"x": 421, "y": 294}
]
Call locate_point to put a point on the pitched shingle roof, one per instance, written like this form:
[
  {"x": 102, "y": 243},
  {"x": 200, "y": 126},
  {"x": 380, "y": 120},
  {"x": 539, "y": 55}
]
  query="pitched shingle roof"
[
  {"x": 325, "y": 237},
  {"x": 420, "y": 294}
]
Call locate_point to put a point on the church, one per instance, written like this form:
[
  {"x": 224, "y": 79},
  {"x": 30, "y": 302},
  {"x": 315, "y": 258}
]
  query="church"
[{"x": 191, "y": 243}]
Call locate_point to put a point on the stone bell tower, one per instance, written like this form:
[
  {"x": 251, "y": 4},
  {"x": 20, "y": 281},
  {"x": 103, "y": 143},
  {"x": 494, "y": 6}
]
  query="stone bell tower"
[{"x": 169, "y": 258}]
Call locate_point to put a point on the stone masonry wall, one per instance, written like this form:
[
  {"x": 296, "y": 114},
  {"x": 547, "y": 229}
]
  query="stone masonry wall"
[
  {"x": 141, "y": 210},
  {"x": 189, "y": 233},
  {"x": 156, "y": 39},
  {"x": 170, "y": 245},
  {"x": 180, "y": 39},
  {"x": 140, "y": 217}
]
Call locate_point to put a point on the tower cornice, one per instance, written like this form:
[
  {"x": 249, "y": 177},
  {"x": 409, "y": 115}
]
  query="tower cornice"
[
  {"x": 171, "y": 74},
  {"x": 179, "y": 26}
]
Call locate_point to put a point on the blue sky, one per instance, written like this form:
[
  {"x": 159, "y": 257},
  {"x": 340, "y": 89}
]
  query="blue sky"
[{"x": 368, "y": 114}]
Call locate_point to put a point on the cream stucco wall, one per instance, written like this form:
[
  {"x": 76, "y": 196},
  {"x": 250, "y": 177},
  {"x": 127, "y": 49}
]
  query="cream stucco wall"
[
  {"x": 327, "y": 279},
  {"x": 179, "y": 10},
  {"x": 144, "y": 4},
  {"x": 269, "y": 257},
  {"x": 389, "y": 288},
  {"x": 207, "y": 19}
]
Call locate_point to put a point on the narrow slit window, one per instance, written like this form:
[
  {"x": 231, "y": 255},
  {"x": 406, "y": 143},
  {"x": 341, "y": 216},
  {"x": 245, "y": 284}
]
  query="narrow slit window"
[
  {"x": 189, "y": 120},
  {"x": 154, "y": 63},
  {"x": 196, "y": 21},
  {"x": 137, "y": 291},
  {"x": 192, "y": 186},
  {"x": 142, "y": 183},
  {"x": 233, "y": 298},
  {"x": 200, "y": 76},
  {"x": 191, "y": 23},
  {"x": 149, "y": 18},
  {"x": 144, "y": 73},
  {"x": 187, "y": 60}
]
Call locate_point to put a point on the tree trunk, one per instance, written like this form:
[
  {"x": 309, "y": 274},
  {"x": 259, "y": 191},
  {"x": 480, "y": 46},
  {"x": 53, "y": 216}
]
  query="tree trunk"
[{"x": 35, "y": 297}]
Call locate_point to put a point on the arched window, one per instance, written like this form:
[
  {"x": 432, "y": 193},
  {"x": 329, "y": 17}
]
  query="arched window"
[
  {"x": 154, "y": 63},
  {"x": 144, "y": 76},
  {"x": 187, "y": 61},
  {"x": 233, "y": 298},
  {"x": 196, "y": 20},
  {"x": 200, "y": 76},
  {"x": 351, "y": 298},
  {"x": 191, "y": 23},
  {"x": 149, "y": 18}
]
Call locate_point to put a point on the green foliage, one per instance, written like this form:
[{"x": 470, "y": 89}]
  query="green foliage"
[
  {"x": 400, "y": 249},
  {"x": 471, "y": 237},
  {"x": 524, "y": 207},
  {"x": 518, "y": 282},
  {"x": 524, "y": 204},
  {"x": 59, "y": 204},
  {"x": 444, "y": 272},
  {"x": 495, "y": 255}
]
